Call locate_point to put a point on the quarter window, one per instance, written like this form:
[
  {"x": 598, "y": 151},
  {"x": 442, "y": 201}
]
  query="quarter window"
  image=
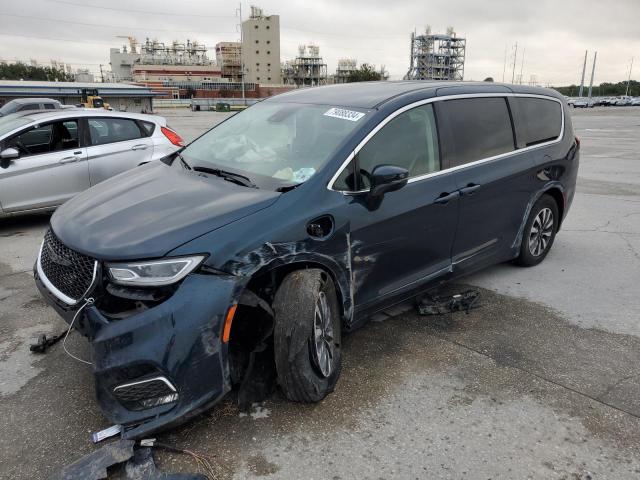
[
  {"x": 479, "y": 128},
  {"x": 111, "y": 130},
  {"x": 409, "y": 141},
  {"x": 538, "y": 120},
  {"x": 148, "y": 127}
]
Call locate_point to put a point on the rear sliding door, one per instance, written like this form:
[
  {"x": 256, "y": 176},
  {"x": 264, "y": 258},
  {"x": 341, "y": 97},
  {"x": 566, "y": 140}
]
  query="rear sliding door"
[{"x": 494, "y": 181}]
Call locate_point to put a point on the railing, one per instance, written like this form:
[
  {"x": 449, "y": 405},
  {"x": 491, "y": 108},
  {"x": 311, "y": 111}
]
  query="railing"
[{"x": 202, "y": 102}]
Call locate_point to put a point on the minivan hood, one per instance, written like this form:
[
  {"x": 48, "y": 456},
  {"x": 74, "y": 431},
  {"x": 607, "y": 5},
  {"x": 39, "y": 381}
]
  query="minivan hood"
[{"x": 150, "y": 210}]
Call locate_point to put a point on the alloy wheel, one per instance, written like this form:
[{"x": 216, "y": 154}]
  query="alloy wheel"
[
  {"x": 541, "y": 232},
  {"x": 322, "y": 342}
]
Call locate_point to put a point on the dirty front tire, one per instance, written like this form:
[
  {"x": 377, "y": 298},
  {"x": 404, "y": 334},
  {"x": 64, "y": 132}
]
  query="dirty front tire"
[
  {"x": 307, "y": 323},
  {"x": 539, "y": 232}
]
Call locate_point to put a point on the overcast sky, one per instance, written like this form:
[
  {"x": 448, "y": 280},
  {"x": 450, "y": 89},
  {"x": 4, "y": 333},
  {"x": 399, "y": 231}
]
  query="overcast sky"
[{"x": 553, "y": 34}]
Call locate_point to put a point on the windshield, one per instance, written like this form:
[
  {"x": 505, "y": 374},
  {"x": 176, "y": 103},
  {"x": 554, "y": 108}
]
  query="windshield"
[
  {"x": 11, "y": 122},
  {"x": 275, "y": 143}
]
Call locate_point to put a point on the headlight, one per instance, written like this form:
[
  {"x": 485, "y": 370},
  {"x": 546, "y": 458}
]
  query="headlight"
[{"x": 154, "y": 273}]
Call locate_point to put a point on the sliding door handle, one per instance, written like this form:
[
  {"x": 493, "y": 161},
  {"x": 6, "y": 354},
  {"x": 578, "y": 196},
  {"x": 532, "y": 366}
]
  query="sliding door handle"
[
  {"x": 469, "y": 189},
  {"x": 445, "y": 197}
]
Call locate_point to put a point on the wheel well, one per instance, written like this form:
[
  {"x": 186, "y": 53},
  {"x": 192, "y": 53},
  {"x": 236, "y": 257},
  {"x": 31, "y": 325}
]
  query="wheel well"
[
  {"x": 265, "y": 283},
  {"x": 557, "y": 195},
  {"x": 252, "y": 329}
]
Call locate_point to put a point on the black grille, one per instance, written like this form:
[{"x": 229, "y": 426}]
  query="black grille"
[
  {"x": 68, "y": 271},
  {"x": 144, "y": 395}
]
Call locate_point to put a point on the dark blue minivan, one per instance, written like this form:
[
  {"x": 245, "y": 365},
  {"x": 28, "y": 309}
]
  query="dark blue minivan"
[{"x": 240, "y": 260}]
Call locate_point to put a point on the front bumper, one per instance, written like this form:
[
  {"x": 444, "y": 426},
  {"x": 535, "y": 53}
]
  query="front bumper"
[{"x": 179, "y": 339}]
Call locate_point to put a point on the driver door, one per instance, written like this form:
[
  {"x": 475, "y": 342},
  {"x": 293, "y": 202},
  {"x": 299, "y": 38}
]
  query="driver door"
[
  {"x": 51, "y": 169},
  {"x": 405, "y": 242}
]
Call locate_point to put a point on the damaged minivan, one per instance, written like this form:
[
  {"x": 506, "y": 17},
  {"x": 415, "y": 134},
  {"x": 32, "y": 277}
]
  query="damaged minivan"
[{"x": 239, "y": 261}]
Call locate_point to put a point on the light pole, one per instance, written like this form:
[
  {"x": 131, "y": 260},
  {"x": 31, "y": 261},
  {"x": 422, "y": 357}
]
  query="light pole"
[
  {"x": 593, "y": 71},
  {"x": 239, "y": 12},
  {"x": 629, "y": 79},
  {"x": 584, "y": 67}
]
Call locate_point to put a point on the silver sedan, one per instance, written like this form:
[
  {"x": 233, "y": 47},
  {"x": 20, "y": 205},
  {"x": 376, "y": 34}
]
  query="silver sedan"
[{"x": 47, "y": 157}]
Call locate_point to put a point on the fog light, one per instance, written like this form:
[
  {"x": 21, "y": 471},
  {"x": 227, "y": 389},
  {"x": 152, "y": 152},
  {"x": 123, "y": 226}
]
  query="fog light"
[
  {"x": 146, "y": 393},
  {"x": 154, "y": 402}
]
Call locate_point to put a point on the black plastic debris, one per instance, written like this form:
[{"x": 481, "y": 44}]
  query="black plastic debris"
[
  {"x": 94, "y": 466},
  {"x": 44, "y": 342},
  {"x": 439, "y": 305},
  {"x": 139, "y": 463},
  {"x": 142, "y": 467}
]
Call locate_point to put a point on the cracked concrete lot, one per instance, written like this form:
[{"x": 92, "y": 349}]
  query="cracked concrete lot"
[{"x": 541, "y": 382}]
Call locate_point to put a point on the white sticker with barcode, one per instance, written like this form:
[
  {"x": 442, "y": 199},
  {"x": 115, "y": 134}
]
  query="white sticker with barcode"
[{"x": 344, "y": 114}]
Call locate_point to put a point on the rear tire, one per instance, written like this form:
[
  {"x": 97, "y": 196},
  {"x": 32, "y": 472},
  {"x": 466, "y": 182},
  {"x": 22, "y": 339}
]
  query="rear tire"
[
  {"x": 539, "y": 232},
  {"x": 307, "y": 335}
]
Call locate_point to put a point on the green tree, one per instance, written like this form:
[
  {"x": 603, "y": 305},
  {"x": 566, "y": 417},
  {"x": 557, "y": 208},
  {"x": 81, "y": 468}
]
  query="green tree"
[
  {"x": 22, "y": 71},
  {"x": 365, "y": 73}
]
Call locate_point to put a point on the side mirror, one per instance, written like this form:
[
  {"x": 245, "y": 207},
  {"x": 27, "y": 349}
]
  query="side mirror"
[
  {"x": 7, "y": 155},
  {"x": 387, "y": 178}
]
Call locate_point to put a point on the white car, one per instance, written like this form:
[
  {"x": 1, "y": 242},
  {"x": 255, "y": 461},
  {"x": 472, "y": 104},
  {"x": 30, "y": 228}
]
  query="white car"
[
  {"x": 623, "y": 101},
  {"x": 47, "y": 157},
  {"x": 583, "y": 103}
]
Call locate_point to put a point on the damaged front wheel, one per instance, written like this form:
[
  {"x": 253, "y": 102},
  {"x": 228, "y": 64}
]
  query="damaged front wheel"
[{"x": 307, "y": 335}]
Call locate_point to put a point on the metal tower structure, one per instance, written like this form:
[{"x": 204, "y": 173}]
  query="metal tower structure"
[
  {"x": 307, "y": 70},
  {"x": 436, "y": 56}
]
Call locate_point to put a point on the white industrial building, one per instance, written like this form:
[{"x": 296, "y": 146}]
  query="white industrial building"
[{"x": 261, "y": 48}]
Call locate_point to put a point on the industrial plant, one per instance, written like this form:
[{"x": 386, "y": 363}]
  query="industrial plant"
[
  {"x": 308, "y": 69},
  {"x": 252, "y": 67},
  {"x": 436, "y": 56}
]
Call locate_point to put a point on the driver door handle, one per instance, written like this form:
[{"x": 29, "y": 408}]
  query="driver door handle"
[
  {"x": 66, "y": 160},
  {"x": 142, "y": 146}
]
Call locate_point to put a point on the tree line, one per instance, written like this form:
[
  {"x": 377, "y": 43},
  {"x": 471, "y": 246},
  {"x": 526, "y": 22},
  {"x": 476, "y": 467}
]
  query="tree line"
[
  {"x": 603, "y": 90},
  {"x": 22, "y": 71}
]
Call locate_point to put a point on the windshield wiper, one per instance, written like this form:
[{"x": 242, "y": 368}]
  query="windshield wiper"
[
  {"x": 229, "y": 176},
  {"x": 287, "y": 188},
  {"x": 184, "y": 162}
]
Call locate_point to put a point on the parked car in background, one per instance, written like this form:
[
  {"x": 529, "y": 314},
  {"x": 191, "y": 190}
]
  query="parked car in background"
[
  {"x": 47, "y": 157},
  {"x": 623, "y": 101},
  {"x": 583, "y": 103},
  {"x": 241, "y": 258},
  {"x": 635, "y": 101},
  {"x": 24, "y": 104}
]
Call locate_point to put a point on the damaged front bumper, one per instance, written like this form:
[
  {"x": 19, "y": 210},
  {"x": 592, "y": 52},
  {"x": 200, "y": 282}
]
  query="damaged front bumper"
[{"x": 171, "y": 353}]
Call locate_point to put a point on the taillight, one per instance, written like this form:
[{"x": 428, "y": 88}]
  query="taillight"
[
  {"x": 577, "y": 142},
  {"x": 172, "y": 136}
]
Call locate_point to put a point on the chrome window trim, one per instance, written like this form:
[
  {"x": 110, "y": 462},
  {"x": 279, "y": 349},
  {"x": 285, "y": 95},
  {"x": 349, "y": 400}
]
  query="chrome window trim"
[
  {"x": 148, "y": 380},
  {"x": 426, "y": 101},
  {"x": 51, "y": 287}
]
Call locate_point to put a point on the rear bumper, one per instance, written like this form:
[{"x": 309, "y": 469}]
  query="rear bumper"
[{"x": 179, "y": 340}]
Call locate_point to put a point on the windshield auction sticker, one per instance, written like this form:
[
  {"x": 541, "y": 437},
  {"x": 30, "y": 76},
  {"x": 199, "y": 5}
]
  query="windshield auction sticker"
[{"x": 344, "y": 114}]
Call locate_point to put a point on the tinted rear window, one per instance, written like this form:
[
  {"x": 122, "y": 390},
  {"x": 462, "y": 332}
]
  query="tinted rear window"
[
  {"x": 111, "y": 130},
  {"x": 479, "y": 128},
  {"x": 537, "y": 121}
]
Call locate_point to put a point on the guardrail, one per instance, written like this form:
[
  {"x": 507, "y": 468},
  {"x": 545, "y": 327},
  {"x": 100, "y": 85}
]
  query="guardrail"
[{"x": 204, "y": 103}]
